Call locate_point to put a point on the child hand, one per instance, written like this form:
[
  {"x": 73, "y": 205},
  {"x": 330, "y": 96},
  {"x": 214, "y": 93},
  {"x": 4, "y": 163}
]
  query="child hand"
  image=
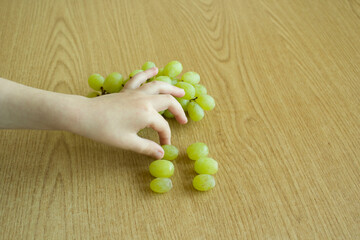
[{"x": 115, "y": 119}]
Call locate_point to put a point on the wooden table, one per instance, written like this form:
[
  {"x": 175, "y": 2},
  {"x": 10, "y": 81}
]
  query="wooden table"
[{"x": 286, "y": 129}]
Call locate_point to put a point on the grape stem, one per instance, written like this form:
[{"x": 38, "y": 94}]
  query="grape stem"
[{"x": 103, "y": 92}]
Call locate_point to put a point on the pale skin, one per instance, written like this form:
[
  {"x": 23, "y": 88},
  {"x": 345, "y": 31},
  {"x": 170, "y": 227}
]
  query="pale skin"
[{"x": 113, "y": 119}]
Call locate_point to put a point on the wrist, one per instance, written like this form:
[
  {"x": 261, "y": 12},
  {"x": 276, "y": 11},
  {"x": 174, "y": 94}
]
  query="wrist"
[{"x": 68, "y": 113}]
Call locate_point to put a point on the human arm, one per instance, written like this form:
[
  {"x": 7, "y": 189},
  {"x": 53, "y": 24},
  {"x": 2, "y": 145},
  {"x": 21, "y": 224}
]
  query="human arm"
[{"x": 113, "y": 119}]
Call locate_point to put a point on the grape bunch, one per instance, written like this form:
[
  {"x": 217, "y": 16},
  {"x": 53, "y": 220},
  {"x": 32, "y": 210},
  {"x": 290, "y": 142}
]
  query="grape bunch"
[
  {"x": 195, "y": 101},
  {"x": 204, "y": 166},
  {"x": 163, "y": 169}
]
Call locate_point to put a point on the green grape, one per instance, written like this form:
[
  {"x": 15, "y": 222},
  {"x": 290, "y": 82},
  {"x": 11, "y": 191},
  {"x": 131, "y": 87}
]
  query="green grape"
[
  {"x": 206, "y": 165},
  {"x": 191, "y": 77},
  {"x": 172, "y": 69},
  {"x": 196, "y": 113},
  {"x": 206, "y": 102},
  {"x": 171, "y": 152},
  {"x": 148, "y": 65},
  {"x": 199, "y": 90},
  {"x": 163, "y": 79},
  {"x": 204, "y": 182},
  {"x": 113, "y": 82},
  {"x": 174, "y": 81},
  {"x": 168, "y": 114},
  {"x": 161, "y": 112},
  {"x": 197, "y": 150},
  {"x": 161, "y": 168},
  {"x": 188, "y": 88},
  {"x": 161, "y": 185},
  {"x": 96, "y": 81},
  {"x": 160, "y": 72},
  {"x": 133, "y": 73},
  {"x": 125, "y": 81},
  {"x": 184, "y": 103},
  {"x": 92, "y": 94}
]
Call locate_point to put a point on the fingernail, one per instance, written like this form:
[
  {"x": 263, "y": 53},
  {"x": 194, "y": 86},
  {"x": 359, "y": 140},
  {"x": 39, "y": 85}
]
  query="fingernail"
[{"x": 159, "y": 154}]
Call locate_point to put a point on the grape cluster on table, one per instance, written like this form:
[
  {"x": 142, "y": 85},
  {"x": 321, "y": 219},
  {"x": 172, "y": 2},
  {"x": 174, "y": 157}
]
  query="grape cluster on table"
[{"x": 195, "y": 101}]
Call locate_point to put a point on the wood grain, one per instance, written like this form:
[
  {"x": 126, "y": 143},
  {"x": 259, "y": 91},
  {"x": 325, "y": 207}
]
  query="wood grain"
[{"x": 286, "y": 129}]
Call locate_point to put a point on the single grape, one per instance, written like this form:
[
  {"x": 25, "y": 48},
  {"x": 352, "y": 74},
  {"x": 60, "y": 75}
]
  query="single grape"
[
  {"x": 206, "y": 102},
  {"x": 196, "y": 113},
  {"x": 160, "y": 72},
  {"x": 148, "y": 65},
  {"x": 96, "y": 81},
  {"x": 199, "y": 90},
  {"x": 171, "y": 152},
  {"x": 92, "y": 94},
  {"x": 163, "y": 79},
  {"x": 133, "y": 73},
  {"x": 172, "y": 69},
  {"x": 113, "y": 82},
  {"x": 161, "y": 168},
  {"x": 174, "y": 81},
  {"x": 184, "y": 103},
  {"x": 168, "y": 114},
  {"x": 191, "y": 77},
  {"x": 206, "y": 165},
  {"x": 188, "y": 88},
  {"x": 197, "y": 150},
  {"x": 204, "y": 182},
  {"x": 161, "y": 185}
]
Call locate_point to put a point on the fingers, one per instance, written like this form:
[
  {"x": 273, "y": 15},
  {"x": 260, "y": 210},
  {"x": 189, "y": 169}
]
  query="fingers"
[
  {"x": 157, "y": 87},
  {"x": 140, "y": 78},
  {"x": 145, "y": 146},
  {"x": 160, "y": 125},
  {"x": 163, "y": 102}
]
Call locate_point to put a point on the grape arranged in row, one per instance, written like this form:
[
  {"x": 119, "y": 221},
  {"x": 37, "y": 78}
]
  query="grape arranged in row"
[
  {"x": 204, "y": 166},
  {"x": 163, "y": 169},
  {"x": 195, "y": 101}
]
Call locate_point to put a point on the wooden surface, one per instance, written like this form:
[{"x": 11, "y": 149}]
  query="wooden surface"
[{"x": 286, "y": 77}]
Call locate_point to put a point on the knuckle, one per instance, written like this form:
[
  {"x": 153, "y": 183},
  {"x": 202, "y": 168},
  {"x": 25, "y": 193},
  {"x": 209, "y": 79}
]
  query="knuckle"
[
  {"x": 147, "y": 108},
  {"x": 169, "y": 97},
  {"x": 144, "y": 107},
  {"x": 155, "y": 83}
]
